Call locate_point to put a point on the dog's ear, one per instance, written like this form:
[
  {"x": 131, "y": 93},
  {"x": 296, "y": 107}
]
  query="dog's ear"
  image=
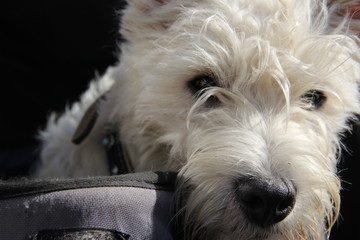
[
  {"x": 87, "y": 122},
  {"x": 145, "y": 19}
]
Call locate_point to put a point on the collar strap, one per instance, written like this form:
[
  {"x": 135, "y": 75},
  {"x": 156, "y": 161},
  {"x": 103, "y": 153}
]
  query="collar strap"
[{"x": 115, "y": 153}]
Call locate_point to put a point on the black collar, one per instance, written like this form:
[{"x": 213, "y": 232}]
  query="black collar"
[{"x": 116, "y": 156}]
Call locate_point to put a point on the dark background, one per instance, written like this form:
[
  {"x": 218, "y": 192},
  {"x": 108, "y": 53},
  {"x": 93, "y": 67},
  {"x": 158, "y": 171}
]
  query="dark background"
[{"x": 51, "y": 49}]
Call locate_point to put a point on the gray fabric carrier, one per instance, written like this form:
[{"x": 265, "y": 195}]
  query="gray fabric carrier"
[{"x": 131, "y": 206}]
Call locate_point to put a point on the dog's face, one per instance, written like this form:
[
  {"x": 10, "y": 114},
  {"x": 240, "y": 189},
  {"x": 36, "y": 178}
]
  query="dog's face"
[{"x": 246, "y": 98}]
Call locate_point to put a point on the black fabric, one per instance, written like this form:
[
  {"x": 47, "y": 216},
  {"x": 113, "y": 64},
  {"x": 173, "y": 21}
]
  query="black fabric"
[
  {"x": 151, "y": 180},
  {"x": 80, "y": 234},
  {"x": 49, "y": 51},
  {"x": 349, "y": 166}
]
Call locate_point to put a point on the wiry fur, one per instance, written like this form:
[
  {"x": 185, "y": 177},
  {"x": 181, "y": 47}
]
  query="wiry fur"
[{"x": 264, "y": 55}]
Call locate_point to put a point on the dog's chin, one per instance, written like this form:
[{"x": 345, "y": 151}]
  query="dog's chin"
[
  {"x": 246, "y": 231},
  {"x": 249, "y": 231}
]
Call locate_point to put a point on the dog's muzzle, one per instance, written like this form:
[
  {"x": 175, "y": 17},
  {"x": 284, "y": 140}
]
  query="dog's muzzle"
[{"x": 265, "y": 203}]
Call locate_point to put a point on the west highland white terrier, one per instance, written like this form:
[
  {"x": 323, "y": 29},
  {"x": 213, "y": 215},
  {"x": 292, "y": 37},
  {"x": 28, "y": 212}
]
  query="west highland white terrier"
[{"x": 246, "y": 99}]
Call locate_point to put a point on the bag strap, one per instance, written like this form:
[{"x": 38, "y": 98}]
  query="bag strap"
[{"x": 164, "y": 181}]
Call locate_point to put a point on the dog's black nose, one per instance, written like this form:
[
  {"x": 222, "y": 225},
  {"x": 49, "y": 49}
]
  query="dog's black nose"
[{"x": 266, "y": 202}]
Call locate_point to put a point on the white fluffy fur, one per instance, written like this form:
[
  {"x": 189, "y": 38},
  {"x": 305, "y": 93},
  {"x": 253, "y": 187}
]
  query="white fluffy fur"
[{"x": 265, "y": 54}]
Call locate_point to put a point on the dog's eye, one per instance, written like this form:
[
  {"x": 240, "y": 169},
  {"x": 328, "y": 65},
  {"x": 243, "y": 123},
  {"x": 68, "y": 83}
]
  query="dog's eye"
[
  {"x": 313, "y": 99},
  {"x": 199, "y": 83}
]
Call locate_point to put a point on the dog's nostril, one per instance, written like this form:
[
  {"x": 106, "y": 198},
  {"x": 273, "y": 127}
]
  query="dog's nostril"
[
  {"x": 265, "y": 203},
  {"x": 284, "y": 205}
]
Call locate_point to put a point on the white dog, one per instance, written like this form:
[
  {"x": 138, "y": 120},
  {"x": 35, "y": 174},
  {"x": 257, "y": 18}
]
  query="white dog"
[{"x": 246, "y": 99}]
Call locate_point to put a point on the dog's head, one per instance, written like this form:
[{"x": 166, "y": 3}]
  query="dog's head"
[{"x": 247, "y": 99}]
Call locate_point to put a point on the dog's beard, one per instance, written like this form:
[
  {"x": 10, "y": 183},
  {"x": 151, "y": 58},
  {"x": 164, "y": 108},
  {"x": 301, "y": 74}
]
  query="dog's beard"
[
  {"x": 211, "y": 212},
  {"x": 218, "y": 156}
]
